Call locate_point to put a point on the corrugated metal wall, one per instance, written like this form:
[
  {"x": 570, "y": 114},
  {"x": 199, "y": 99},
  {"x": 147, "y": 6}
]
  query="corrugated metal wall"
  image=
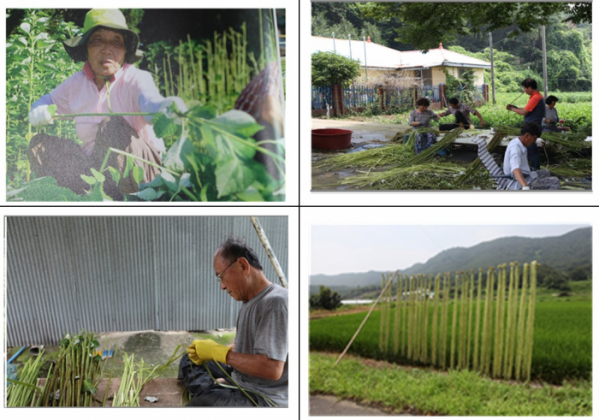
[{"x": 123, "y": 273}]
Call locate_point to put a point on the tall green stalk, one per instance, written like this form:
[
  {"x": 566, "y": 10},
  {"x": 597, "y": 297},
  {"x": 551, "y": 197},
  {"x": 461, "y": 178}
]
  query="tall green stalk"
[
  {"x": 463, "y": 336},
  {"x": 475, "y": 357},
  {"x": 529, "y": 336},
  {"x": 435, "y": 329},
  {"x": 521, "y": 325},
  {"x": 510, "y": 339},
  {"x": 454, "y": 322},
  {"x": 444, "y": 321},
  {"x": 487, "y": 338},
  {"x": 397, "y": 320}
]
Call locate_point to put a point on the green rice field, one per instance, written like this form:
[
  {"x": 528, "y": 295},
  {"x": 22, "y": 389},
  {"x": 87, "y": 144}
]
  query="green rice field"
[{"x": 562, "y": 338}]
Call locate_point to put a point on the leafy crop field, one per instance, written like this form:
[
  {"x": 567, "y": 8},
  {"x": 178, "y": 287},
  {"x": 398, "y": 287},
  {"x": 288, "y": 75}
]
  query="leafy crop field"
[
  {"x": 574, "y": 107},
  {"x": 562, "y": 339}
]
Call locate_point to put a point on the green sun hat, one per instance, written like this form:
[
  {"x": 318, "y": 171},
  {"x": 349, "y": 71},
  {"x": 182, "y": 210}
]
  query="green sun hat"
[{"x": 107, "y": 18}]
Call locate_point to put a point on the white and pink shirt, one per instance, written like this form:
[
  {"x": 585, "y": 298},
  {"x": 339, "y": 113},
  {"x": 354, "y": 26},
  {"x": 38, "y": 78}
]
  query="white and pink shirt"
[{"x": 131, "y": 90}]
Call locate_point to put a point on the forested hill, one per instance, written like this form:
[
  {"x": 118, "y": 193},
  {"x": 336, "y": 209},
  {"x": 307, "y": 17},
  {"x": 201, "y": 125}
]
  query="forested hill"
[{"x": 561, "y": 252}]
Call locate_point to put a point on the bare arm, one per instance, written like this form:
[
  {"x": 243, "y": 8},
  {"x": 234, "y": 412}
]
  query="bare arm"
[
  {"x": 480, "y": 117},
  {"x": 258, "y": 365},
  {"x": 519, "y": 177},
  {"x": 517, "y": 110}
]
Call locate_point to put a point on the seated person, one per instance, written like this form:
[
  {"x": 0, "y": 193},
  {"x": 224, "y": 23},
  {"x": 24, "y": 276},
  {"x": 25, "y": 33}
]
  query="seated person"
[
  {"x": 419, "y": 118},
  {"x": 515, "y": 163},
  {"x": 462, "y": 115},
  {"x": 551, "y": 119}
]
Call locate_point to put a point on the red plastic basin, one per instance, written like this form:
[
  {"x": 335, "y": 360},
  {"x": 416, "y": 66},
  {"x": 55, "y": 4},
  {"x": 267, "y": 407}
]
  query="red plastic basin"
[{"x": 331, "y": 138}]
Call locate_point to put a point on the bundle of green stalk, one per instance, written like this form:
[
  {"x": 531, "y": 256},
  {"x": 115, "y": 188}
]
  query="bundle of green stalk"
[
  {"x": 574, "y": 168},
  {"x": 135, "y": 376},
  {"x": 371, "y": 158},
  {"x": 570, "y": 141},
  {"x": 426, "y": 176},
  {"x": 72, "y": 381},
  {"x": 431, "y": 152},
  {"x": 500, "y": 132},
  {"x": 20, "y": 392}
]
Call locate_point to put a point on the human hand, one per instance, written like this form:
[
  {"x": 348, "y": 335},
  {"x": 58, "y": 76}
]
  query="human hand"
[
  {"x": 40, "y": 116},
  {"x": 193, "y": 355},
  {"x": 166, "y": 107},
  {"x": 207, "y": 350},
  {"x": 482, "y": 123},
  {"x": 509, "y": 107}
]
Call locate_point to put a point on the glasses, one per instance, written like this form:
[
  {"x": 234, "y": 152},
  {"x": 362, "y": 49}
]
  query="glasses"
[{"x": 220, "y": 276}]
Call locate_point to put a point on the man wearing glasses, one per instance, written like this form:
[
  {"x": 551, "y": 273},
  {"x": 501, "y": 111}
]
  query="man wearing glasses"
[{"x": 253, "y": 371}]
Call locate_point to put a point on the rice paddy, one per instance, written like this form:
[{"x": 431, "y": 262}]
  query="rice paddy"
[{"x": 562, "y": 336}]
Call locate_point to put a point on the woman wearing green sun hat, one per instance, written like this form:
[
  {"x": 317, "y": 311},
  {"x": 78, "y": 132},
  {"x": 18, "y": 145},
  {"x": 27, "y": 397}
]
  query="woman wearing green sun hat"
[{"x": 108, "y": 82}]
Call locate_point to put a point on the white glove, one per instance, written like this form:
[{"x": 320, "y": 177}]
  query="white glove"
[
  {"x": 526, "y": 188},
  {"x": 40, "y": 116},
  {"x": 540, "y": 142},
  {"x": 178, "y": 103}
]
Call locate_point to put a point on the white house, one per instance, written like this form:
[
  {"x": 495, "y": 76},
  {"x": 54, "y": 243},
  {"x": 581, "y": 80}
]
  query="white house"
[{"x": 379, "y": 62}]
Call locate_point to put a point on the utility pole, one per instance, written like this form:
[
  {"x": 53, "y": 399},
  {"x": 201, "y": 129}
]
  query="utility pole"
[
  {"x": 334, "y": 49},
  {"x": 365, "y": 68},
  {"x": 350, "y": 56},
  {"x": 546, "y": 88},
  {"x": 492, "y": 67}
]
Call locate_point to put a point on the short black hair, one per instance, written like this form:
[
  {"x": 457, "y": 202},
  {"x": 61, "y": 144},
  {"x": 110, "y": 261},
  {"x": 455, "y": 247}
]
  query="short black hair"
[
  {"x": 529, "y": 83},
  {"x": 454, "y": 101},
  {"x": 531, "y": 128},
  {"x": 551, "y": 99},
  {"x": 234, "y": 248},
  {"x": 423, "y": 102}
]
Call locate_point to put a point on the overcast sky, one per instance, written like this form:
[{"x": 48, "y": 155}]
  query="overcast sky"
[{"x": 349, "y": 248}]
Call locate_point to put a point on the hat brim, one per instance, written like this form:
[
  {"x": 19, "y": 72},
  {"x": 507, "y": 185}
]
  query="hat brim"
[{"x": 76, "y": 47}]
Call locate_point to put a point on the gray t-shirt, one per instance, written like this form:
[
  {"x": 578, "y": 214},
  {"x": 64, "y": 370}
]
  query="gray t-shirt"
[
  {"x": 262, "y": 329},
  {"x": 550, "y": 114}
]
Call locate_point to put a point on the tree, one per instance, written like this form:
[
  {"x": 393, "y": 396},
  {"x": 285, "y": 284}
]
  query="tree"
[
  {"x": 427, "y": 24},
  {"x": 579, "y": 273},
  {"x": 325, "y": 299},
  {"x": 332, "y": 69}
]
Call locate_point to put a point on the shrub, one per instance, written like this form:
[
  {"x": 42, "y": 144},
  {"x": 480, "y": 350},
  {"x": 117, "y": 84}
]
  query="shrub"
[{"x": 325, "y": 299}]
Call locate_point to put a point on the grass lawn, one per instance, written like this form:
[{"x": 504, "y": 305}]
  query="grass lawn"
[{"x": 397, "y": 389}]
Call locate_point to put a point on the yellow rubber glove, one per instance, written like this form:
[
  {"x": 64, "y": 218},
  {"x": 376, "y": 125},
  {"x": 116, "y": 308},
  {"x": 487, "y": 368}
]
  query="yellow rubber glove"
[
  {"x": 193, "y": 356},
  {"x": 207, "y": 350}
]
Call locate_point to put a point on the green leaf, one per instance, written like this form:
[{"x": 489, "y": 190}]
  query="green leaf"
[
  {"x": 148, "y": 194},
  {"x": 169, "y": 180},
  {"x": 238, "y": 122},
  {"x": 203, "y": 193},
  {"x": 21, "y": 40},
  {"x": 207, "y": 112},
  {"x": 115, "y": 174},
  {"x": 250, "y": 195},
  {"x": 25, "y": 27},
  {"x": 138, "y": 174},
  {"x": 52, "y": 109},
  {"x": 88, "y": 387},
  {"x": 185, "y": 181},
  {"x": 163, "y": 126},
  {"x": 175, "y": 158},
  {"x": 233, "y": 177},
  {"x": 89, "y": 179},
  {"x": 128, "y": 166},
  {"x": 101, "y": 178}
]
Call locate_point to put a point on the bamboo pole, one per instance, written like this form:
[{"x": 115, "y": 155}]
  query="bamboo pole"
[
  {"x": 454, "y": 322},
  {"x": 527, "y": 364},
  {"x": 397, "y": 319},
  {"x": 444, "y": 322},
  {"x": 475, "y": 359},
  {"x": 521, "y": 324},
  {"x": 363, "y": 322},
  {"x": 269, "y": 251},
  {"x": 434, "y": 332}
]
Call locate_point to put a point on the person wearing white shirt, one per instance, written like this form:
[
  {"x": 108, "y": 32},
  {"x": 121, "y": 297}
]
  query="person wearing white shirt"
[{"x": 515, "y": 163}]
